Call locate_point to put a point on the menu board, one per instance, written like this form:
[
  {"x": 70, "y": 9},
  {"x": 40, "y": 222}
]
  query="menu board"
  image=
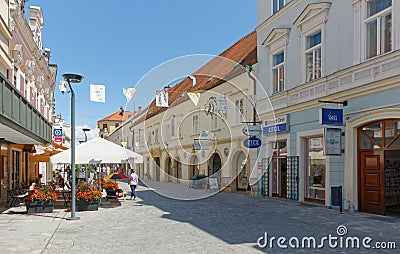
[{"x": 332, "y": 141}]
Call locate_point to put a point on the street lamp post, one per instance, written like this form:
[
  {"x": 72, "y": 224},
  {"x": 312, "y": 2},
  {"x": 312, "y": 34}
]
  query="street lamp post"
[
  {"x": 72, "y": 78},
  {"x": 84, "y": 132}
]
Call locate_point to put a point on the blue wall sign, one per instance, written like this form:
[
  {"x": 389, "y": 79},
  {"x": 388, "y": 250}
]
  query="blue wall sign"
[
  {"x": 331, "y": 116},
  {"x": 57, "y": 132},
  {"x": 252, "y": 142},
  {"x": 275, "y": 125}
]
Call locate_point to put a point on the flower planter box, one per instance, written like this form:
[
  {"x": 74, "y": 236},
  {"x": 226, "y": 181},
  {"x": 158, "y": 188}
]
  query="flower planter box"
[
  {"x": 39, "y": 206},
  {"x": 87, "y": 205}
]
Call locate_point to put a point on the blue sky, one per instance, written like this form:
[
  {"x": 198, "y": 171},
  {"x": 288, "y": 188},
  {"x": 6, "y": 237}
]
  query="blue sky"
[{"x": 115, "y": 43}]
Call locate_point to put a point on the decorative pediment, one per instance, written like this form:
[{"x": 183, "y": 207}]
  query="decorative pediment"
[
  {"x": 277, "y": 37},
  {"x": 312, "y": 15}
]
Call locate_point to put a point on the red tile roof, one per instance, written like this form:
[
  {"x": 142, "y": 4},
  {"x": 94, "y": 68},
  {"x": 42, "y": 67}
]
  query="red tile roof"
[
  {"x": 117, "y": 116},
  {"x": 229, "y": 63}
]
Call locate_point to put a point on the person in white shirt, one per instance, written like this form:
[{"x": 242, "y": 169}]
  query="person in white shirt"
[{"x": 133, "y": 182}]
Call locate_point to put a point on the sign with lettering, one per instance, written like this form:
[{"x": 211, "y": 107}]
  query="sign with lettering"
[
  {"x": 276, "y": 125},
  {"x": 252, "y": 142},
  {"x": 201, "y": 144},
  {"x": 331, "y": 116},
  {"x": 251, "y": 130}
]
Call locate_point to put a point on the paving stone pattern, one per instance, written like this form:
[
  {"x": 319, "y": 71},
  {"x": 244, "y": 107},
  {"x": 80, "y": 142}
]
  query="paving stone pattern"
[{"x": 222, "y": 223}]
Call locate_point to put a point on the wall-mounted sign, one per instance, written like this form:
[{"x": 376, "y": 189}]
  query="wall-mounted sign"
[
  {"x": 333, "y": 141},
  {"x": 331, "y": 116},
  {"x": 252, "y": 142},
  {"x": 57, "y": 132},
  {"x": 252, "y": 130},
  {"x": 201, "y": 144},
  {"x": 275, "y": 125},
  {"x": 58, "y": 140},
  {"x": 222, "y": 103}
]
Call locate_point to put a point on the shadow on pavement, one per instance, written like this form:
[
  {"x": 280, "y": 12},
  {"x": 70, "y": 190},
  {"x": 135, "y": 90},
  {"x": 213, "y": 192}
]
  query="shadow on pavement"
[{"x": 240, "y": 219}]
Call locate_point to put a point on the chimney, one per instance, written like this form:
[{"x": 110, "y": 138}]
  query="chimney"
[
  {"x": 139, "y": 109},
  {"x": 121, "y": 111}
]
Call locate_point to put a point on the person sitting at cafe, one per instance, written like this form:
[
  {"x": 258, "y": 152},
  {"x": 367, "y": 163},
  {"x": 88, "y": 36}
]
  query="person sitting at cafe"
[
  {"x": 61, "y": 182},
  {"x": 38, "y": 180}
]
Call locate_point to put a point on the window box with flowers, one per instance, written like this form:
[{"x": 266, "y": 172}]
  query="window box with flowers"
[
  {"x": 40, "y": 200},
  {"x": 87, "y": 198}
]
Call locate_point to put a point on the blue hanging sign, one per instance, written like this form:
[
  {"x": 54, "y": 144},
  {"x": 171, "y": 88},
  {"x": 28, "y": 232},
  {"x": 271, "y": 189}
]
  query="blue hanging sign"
[
  {"x": 331, "y": 116},
  {"x": 252, "y": 142},
  {"x": 57, "y": 132}
]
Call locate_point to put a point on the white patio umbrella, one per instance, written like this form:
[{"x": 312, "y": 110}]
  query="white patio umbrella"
[{"x": 97, "y": 149}]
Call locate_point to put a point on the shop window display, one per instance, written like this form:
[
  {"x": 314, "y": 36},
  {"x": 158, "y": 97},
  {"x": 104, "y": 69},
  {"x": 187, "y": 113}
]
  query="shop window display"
[{"x": 316, "y": 169}]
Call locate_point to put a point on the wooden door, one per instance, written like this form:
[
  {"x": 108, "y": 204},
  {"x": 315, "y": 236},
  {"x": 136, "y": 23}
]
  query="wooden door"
[{"x": 372, "y": 182}]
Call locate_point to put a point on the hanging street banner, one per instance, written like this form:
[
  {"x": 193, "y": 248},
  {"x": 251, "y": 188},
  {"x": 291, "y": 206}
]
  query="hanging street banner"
[
  {"x": 195, "y": 97},
  {"x": 97, "y": 93},
  {"x": 128, "y": 92},
  {"x": 275, "y": 125},
  {"x": 331, "y": 116},
  {"x": 63, "y": 86},
  {"x": 162, "y": 99}
]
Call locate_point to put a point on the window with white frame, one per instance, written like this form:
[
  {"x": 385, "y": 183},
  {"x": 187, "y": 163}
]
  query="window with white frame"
[
  {"x": 214, "y": 121},
  {"x": 195, "y": 124},
  {"x": 277, "y": 5},
  {"x": 378, "y": 24},
  {"x": 278, "y": 72},
  {"x": 239, "y": 111},
  {"x": 313, "y": 56},
  {"x": 156, "y": 135},
  {"x": 173, "y": 126},
  {"x": 148, "y": 136}
]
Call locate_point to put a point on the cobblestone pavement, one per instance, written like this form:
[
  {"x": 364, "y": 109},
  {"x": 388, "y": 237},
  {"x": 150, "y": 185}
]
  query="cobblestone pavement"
[{"x": 222, "y": 223}]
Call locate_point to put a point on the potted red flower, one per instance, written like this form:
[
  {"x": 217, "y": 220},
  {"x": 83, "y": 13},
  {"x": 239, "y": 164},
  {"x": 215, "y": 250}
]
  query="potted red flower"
[
  {"x": 87, "y": 198},
  {"x": 40, "y": 200}
]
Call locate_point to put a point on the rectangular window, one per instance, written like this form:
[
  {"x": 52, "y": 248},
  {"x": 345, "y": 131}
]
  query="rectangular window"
[
  {"x": 195, "y": 124},
  {"x": 277, "y": 5},
  {"x": 315, "y": 168},
  {"x": 156, "y": 135},
  {"x": 278, "y": 72},
  {"x": 104, "y": 126},
  {"x": 313, "y": 56},
  {"x": 116, "y": 125},
  {"x": 378, "y": 27},
  {"x": 214, "y": 121},
  {"x": 239, "y": 111}
]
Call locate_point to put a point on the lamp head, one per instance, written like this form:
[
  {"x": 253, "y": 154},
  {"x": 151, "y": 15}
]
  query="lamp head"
[
  {"x": 85, "y": 129},
  {"x": 72, "y": 78}
]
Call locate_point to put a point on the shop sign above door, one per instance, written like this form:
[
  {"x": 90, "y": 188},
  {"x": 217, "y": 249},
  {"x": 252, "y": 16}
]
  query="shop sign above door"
[
  {"x": 331, "y": 116},
  {"x": 275, "y": 125}
]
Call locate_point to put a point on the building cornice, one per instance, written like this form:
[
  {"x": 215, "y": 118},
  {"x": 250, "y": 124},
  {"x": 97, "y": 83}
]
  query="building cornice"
[{"x": 369, "y": 77}]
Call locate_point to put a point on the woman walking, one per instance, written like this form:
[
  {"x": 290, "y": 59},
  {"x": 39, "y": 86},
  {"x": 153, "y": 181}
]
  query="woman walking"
[{"x": 133, "y": 181}]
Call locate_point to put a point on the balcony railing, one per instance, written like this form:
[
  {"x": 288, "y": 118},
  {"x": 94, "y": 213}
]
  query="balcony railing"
[{"x": 17, "y": 113}]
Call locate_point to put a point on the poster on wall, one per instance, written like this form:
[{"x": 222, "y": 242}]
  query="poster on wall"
[{"x": 333, "y": 141}]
